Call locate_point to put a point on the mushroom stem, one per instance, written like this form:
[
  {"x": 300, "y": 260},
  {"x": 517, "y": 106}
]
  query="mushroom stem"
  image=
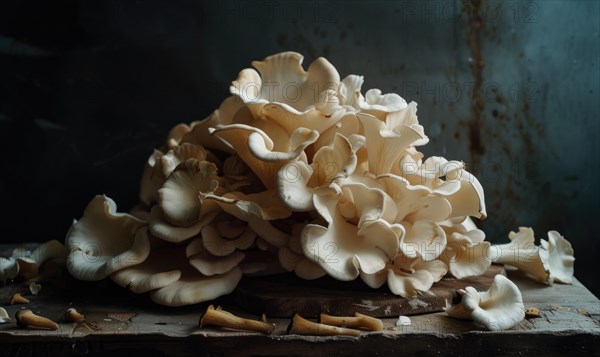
[
  {"x": 222, "y": 318},
  {"x": 357, "y": 321},
  {"x": 19, "y": 299},
  {"x": 73, "y": 315},
  {"x": 301, "y": 326},
  {"x": 525, "y": 258},
  {"x": 26, "y": 318}
]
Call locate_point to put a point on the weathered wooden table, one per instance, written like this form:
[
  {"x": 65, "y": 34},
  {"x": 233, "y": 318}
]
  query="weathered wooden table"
[{"x": 120, "y": 323}]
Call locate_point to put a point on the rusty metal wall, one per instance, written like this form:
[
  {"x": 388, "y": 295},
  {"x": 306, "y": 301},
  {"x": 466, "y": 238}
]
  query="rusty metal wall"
[{"x": 509, "y": 87}]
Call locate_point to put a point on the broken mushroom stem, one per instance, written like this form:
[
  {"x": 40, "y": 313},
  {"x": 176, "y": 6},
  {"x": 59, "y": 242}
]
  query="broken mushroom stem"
[
  {"x": 222, "y": 318},
  {"x": 73, "y": 315},
  {"x": 19, "y": 299},
  {"x": 359, "y": 321},
  {"x": 26, "y": 318},
  {"x": 302, "y": 326}
]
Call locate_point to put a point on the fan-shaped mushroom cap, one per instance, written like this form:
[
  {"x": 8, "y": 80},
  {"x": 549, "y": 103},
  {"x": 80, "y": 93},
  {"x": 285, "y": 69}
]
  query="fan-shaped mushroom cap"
[
  {"x": 499, "y": 308},
  {"x": 104, "y": 241}
]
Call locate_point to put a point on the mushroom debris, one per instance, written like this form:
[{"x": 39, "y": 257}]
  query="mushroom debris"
[
  {"x": 44, "y": 262},
  {"x": 296, "y": 171}
]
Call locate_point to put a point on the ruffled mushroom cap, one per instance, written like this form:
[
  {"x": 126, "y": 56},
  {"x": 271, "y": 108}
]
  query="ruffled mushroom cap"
[
  {"x": 104, "y": 241},
  {"x": 466, "y": 253},
  {"x": 462, "y": 190},
  {"x": 374, "y": 102},
  {"x": 173, "y": 281},
  {"x": 200, "y": 134},
  {"x": 293, "y": 97},
  {"x": 297, "y": 181},
  {"x": 418, "y": 209},
  {"x": 557, "y": 253},
  {"x": 346, "y": 247},
  {"x": 551, "y": 261},
  {"x": 407, "y": 277},
  {"x": 499, "y": 308},
  {"x": 291, "y": 257},
  {"x": 386, "y": 142},
  {"x": 257, "y": 210},
  {"x": 265, "y": 152}
]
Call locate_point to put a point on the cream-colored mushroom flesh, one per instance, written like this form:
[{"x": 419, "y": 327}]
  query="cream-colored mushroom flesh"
[
  {"x": 499, "y": 308},
  {"x": 104, "y": 241}
]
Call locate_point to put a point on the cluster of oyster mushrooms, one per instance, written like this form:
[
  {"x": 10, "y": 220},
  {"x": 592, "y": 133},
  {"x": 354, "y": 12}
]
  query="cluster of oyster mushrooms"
[{"x": 296, "y": 171}]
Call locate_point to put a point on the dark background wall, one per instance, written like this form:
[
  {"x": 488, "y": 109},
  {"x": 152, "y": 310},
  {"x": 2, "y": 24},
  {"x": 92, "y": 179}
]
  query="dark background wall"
[{"x": 88, "y": 88}]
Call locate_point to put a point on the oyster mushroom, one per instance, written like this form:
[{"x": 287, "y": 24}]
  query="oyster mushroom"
[
  {"x": 4, "y": 318},
  {"x": 208, "y": 263},
  {"x": 178, "y": 197},
  {"x": 291, "y": 257},
  {"x": 406, "y": 276},
  {"x": 373, "y": 102},
  {"x": 551, "y": 261},
  {"x": 386, "y": 142},
  {"x": 345, "y": 247},
  {"x": 466, "y": 252},
  {"x": 499, "y": 308},
  {"x": 104, "y": 241},
  {"x": 283, "y": 90},
  {"x": 298, "y": 181},
  {"x": 265, "y": 152},
  {"x": 257, "y": 209},
  {"x": 173, "y": 281}
]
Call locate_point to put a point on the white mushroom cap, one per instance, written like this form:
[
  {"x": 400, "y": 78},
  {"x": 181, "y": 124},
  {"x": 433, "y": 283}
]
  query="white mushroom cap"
[
  {"x": 172, "y": 281},
  {"x": 345, "y": 248},
  {"x": 407, "y": 277},
  {"x": 174, "y": 234},
  {"x": 303, "y": 109},
  {"x": 104, "y": 241},
  {"x": 193, "y": 288},
  {"x": 4, "y": 318},
  {"x": 178, "y": 197},
  {"x": 386, "y": 145},
  {"x": 200, "y": 134},
  {"x": 208, "y": 263},
  {"x": 466, "y": 253},
  {"x": 256, "y": 209},
  {"x": 500, "y": 308},
  {"x": 557, "y": 255},
  {"x": 297, "y": 181},
  {"x": 217, "y": 245},
  {"x": 179, "y": 155},
  {"x": 551, "y": 261},
  {"x": 265, "y": 152}
]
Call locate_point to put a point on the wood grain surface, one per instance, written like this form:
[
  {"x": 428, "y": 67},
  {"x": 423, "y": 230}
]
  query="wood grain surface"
[{"x": 284, "y": 295}]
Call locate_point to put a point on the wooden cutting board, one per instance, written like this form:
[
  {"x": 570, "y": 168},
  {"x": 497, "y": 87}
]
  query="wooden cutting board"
[{"x": 284, "y": 295}]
